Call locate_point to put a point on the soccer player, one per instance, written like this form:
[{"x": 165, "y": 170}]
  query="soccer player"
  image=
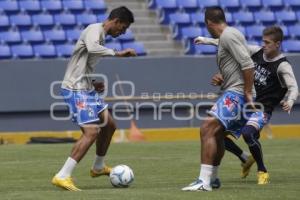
[
  {"x": 81, "y": 94},
  {"x": 275, "y": 84},
  {"x": 237, "y": 69}
]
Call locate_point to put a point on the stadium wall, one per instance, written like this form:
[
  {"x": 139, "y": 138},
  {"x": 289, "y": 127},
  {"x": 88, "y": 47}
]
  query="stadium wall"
[{"x": 26, "y": 98}]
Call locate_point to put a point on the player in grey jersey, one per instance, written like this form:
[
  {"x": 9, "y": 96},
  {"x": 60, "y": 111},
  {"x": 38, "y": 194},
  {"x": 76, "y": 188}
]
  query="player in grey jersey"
[
  {"x": 227, "y": 114},
  {"x": 81, "y": 94},
  {"x": 274, "y": 83}
]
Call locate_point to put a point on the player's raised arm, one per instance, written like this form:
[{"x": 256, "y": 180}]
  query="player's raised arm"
[
  {"x": 206, "y": 40},
  {"x": 211, "y": 41}
]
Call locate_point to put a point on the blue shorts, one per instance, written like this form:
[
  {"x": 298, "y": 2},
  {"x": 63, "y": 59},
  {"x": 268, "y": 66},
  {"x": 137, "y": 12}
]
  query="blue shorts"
[
  {"x": 259, "y": 119},
  {"x": 84, "y": 106},
  {"x": 229, "y": 111}
]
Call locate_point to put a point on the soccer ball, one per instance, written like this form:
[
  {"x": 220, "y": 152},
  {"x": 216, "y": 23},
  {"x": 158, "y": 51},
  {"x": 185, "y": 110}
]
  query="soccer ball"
[{"x": 121, "y": 176}]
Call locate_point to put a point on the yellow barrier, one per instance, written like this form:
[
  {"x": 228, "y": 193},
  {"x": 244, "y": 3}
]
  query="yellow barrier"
[{"x": 161, "y": 134}]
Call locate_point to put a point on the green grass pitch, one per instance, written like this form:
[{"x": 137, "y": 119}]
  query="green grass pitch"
[{"x": 160, "y": 169}]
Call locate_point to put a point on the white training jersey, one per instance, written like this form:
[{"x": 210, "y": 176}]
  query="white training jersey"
[{"x": 88, "y": 49}]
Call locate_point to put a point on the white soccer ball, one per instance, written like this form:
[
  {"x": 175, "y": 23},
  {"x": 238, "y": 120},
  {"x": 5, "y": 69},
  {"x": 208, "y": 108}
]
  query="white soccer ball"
[{"x": 121, "y": 176}]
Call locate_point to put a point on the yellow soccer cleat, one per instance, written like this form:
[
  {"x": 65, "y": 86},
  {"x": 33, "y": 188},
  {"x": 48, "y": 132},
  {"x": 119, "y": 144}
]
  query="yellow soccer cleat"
[
  {"x": 104, "y": 171},
  {"x": 263, "y": 178},
  {"x": 65, "y": 183},
  {"x": 246, "y": 166}
]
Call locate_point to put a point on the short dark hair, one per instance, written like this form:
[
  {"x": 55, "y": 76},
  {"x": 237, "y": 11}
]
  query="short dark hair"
[
  {"x": 215, "y": 14},
  {"x": 275, "y": 31},
  {"x": 123, "y": 14}
]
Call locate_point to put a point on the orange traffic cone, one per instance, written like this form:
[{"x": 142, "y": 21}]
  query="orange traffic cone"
[{"x": 135, "y": 135}]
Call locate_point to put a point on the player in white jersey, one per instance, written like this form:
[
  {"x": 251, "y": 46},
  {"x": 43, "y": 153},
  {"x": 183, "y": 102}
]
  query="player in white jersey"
[
  {"x": 81, "y": 94},
  {"x": 227, "y": 114}
]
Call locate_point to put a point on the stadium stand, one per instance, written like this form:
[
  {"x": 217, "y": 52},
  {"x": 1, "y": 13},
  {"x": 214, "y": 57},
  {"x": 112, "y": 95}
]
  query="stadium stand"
[
  {"x": 161, "y": 27},
  {"x": 249, "y": 16},
  {"x": 50, "y": 28}
]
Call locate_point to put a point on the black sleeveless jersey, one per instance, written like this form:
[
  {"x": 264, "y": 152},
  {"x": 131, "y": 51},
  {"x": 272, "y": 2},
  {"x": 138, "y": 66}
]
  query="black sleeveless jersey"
[{"x": 269, "y": 91}]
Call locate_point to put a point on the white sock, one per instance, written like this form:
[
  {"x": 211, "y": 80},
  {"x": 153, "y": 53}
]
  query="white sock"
[
  {"x": 206, "y": 172},
  {"x": 214, "y": 173},
  {"x": 67, "y": 169},
  {"x": 98, "y": 163},
  {"x": 245, "y": 155}
]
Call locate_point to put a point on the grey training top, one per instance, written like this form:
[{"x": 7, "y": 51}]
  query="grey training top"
[
  {"x": 88, "y": 49},
  {"x": 233, "y": 57}
]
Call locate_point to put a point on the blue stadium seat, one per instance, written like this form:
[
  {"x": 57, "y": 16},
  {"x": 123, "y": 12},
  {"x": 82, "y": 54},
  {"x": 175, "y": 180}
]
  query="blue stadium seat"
[
  {"x": 291, "y": 46},
  {"x": 152, "y": 4},
  {"x": 97, "y": 6},
  {"x": 32, "y": 36},
  {"x": 10, "y": 37},
  {"x": 241, "y": 29},
  {"x": 22, "y": 51},
  {"x": 73, "y": 34},
  {"x": 20, "y": 20},
  {"x": 188, "y": 5},
  {"x": 65, "y": 19},
  {"x": 285, "y": 31},
  {"x": 198, "y": 18},
  {"x": 273, "y": 4},
  {"x": 86, "y": 19},
  {"x": 52, "y": 6},
  {"x": 205, "y": 49},
  {"x": 9, "y": 6},
  {"x": 5, "y": 52},
  {"x": 4, "y": 22},
  {"x": 295, "y": 4},
  {"x": 202, "y": 4},
  {"x": 253, "y": 42},
  {"x": 137, "y": 46},
  {"x": 189, "y": 47},
  {"x": 287, "y": 17},
  {"x": 55, "y": 35},
  {"x": 42, "y": 20},
  {"x": 254, "y": 31},
  {"x": 44, "y": 51},
  {"x": 191, "y": 33},
  {"x": 265, "y": 17},
  {"x": 30, "y": 6},
  {"x": 64, "y": 50},
  {"x": 298, "y": 15},
  {"x": 243, "y": 17},
  {"x": 75, "y": 6},
  {"x": 229, "y": 18},
  {"x": 252, "y": 5},
  {"x": 114, "y": 45},
  {"x": 165, "y": 8},
  {"x": 178, "y": 21},
  {"x": 294, "y": 31},
  {"x": 102, "y": 17},
  {"x": 205, "y": 32},
  {"x": 126, "y": 37},
  {"x": 230, "y": 5}
]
